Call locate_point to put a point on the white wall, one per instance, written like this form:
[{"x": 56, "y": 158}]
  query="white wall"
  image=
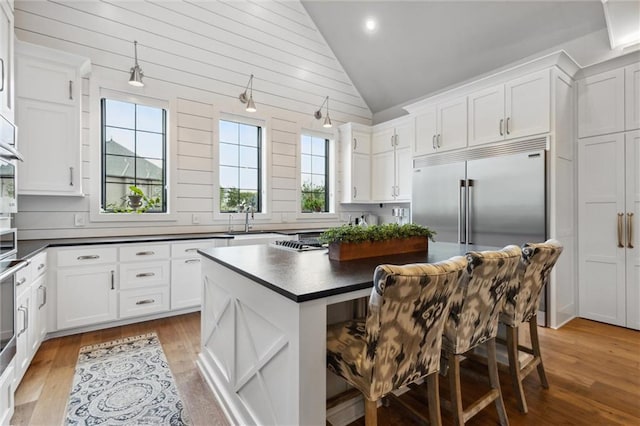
[{"x": 198, "y": 56}]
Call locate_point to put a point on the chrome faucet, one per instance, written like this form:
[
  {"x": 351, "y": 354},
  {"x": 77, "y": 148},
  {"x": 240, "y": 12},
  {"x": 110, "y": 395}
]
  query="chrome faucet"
[{"x": 247, "y": 210}]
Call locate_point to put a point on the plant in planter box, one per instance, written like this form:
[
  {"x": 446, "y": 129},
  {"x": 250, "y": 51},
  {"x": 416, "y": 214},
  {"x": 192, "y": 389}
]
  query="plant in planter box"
[{"x": 135, "y": 201}]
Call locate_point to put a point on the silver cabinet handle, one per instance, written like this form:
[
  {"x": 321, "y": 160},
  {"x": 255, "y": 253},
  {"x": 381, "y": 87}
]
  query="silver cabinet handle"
[
  {"x": 71, "y": 90},
  {"x": 630, "y": 230},
  {"x": 113, "y": 280},
  {"x": 89, "y": 257},
  {"x": 145, "y": 301},
  {"x": 355, "y": 143},
  {"x": 395, "y": 139},
  {"x": 70, "y": 176},
  {"x": 2, "y": 76},
  {"x": 145, "y": 253},
  {"x": 44, "y": 296},
  {"x": 145, "y": 274},
  {"x": 25, "y": 323},
  {"x": 191, "y": 250},
  {"x": 22, "y": 281},
  {"x": 192, "y": 261},
  {"x": 500, "y": 127},
  {"x": 355, "y": 192},
  {"x": 439, "y": 139},
  {"x": 508, "y": 131},
  {"x": 40, "y": 266},
  {"x": 433, "y": 142},
  {"x": 620, "y": 215}
]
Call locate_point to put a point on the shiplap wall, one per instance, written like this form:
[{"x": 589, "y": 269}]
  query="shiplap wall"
[{"x": 197, "y": 55}]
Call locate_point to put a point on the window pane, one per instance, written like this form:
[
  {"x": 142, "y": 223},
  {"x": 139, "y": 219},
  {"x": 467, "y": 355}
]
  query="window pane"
[
  {"x": 120, "y": 114},
  {"x": 118, "y": 167},
  {"x": 149, "y": 145},
  {"x": 306, "y": 182},
  {"x": 116, "y": 195},
  {"x": 317, "y": 181},
  {"x": 149, "y": 119},
  {"x": 148, "y": 170},
  {"x": 228, "y": 131},
  {"x": 229, "y": 198},
  {"x": 248, "y": 135},
  {"x": 228, "y": 154},
  {"x": 305, "y": 163},
  {"x": 306, "y": 144},
  {"x": 119, "y": 141},
  {"x": 318, "y": 146},
  {"x": 317, "y": 165},
  {"x": 248, "y": 157},
  {"x": 249, "y": 179},
  {"x": 229, "y": 177}
]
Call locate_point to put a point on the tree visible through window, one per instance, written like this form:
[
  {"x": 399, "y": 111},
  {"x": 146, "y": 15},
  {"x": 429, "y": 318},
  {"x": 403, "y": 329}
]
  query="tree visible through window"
[
  {"x": 133, "y": 154},
  {"x": 315, "y": 174},
  {"x": 240, "y": 166}
]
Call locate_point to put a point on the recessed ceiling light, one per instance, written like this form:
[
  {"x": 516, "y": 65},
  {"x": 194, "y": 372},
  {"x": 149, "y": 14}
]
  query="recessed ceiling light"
[{"x": 371, "y": 25}]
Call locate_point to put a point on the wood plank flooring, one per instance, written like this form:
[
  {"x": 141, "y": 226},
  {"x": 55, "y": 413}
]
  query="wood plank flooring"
[{"x": 593, "y": 371}]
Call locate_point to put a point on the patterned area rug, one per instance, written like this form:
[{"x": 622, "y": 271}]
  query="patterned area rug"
[{"x": 126, "y": 381}]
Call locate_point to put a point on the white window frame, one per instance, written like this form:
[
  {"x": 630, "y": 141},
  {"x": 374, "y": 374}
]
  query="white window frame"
[
  {"x": 97, "y": 92},
  {"x": 265, "y": 168},
  {"x": 332, "y": 214}
]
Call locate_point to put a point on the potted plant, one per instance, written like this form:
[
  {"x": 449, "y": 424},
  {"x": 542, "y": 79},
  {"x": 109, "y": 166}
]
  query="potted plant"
[
  {"x": 356, "y": 242},
  {"x": 136, "y": 201}
]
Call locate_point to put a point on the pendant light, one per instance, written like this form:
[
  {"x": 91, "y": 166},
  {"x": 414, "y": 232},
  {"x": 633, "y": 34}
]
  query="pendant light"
[
  {"x": 251, "y": 106},
  {"x": 136, "y": 72},
  {"x": 318, "y": 114}
]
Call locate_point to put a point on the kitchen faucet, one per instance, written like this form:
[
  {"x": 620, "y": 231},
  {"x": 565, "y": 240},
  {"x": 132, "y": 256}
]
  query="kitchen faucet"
[{"x": 247, "y": 209}]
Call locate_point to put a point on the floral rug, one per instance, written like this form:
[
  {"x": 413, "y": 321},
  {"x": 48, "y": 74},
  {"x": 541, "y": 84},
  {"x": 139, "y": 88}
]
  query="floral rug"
[{"x": 126, "y": 381}]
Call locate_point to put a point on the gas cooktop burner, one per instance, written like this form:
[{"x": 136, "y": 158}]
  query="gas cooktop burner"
[{"x": 299, "y": 245}]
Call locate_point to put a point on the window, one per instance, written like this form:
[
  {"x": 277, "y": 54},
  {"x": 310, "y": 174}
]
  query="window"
[
  {"x": 134, "y": 139},
  {"x": 315, "y": 174},
  {"x": 240, "y": 166}
]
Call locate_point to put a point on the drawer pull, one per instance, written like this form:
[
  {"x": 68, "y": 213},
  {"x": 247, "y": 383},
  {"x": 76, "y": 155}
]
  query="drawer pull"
[
  {"x": 89, "y": 257},
  {"x": 192, "y": 261},
  {"x": 145, "y": 253},
  {"x": 44, "y": 296},
  {"x": 22, "y": 281},
  {"x": 145, "y": 274},
  {"x": 145, "y": 301},
  {"x": 113, "y": 280},
  {"x": 191, "y": 250},
  {"x": 40, "y": 266}
]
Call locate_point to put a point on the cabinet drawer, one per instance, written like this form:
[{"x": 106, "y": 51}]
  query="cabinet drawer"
[
  {"x": 190, "y": 248},
  {"x": 39, "y": 264},
  {"x": 144, "y": 252},
  {"x": 87, "y": 255},
  {"x": 144, "y": 274},
  {"x": 23, "y": 278},
  {"x": 146, "y": 301}
]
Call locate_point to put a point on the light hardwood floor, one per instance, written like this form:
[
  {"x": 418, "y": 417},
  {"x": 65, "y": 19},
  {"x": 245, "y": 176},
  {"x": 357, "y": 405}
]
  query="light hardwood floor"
[{"x": 593, "y": 371}]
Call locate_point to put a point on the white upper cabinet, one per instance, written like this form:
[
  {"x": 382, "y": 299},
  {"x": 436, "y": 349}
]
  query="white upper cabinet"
[
  {"x": 355, "y": 153},
  {"x": 361, "y": 142},
  {"x": 442, "y": 127},
  {"x": 6, "y": 61},
  {"x": 48, "y": 115},
  {"x": 632, "y": 97},
  {"x": 382, "y": 140},
  {"x": 516, "y": 109},
  {"x": 391, "y": 160},
  {"x": 601, "y": 104}
]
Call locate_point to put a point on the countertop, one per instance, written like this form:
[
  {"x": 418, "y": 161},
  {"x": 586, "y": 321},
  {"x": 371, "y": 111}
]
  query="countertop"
[
  {"x": 29, "y": 248},
  {"x": 309, "y": 275}
]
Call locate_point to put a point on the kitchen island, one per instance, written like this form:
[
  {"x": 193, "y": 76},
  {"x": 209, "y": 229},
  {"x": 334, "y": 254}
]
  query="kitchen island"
[{"x": 264, "y": 320}]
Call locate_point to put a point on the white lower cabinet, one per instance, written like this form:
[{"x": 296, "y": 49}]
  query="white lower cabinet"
[
  {"x": 6, "y": 394},
  {"x": 24, "y": 313},
  {"x": 144, "y": 301}
]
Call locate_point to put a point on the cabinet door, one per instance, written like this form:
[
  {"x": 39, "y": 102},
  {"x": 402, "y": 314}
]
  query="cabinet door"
[
  {"x": 600, "y": 208},
  {"x": 361, "y": 177},
  {"x": 86, "y": 296},
  {"x": 42, "y": 309},
  {"x": 7, "y": 388},
  {"x": 23, "y": 329},
  {"x": 632, "y": 97},
  {"x": 6, "y": 61},
  {"x": 486, "y": 116},
  {"x": 186, "y": 283},
  {"x": 382, "y": 140},
  {"x": 528, "y": 105},
  {"x": 404, "y": 172},
  {"x": 426, "y": 131},
  {"x": 46, "y": 81},
  {"x": 49, "y": 141},
  {"x": 383, "y": 176},
  {"x": 632, "y": 154},
  {"x": 452, "y": 125},
  {"x": 361, "y": 142},
  {"x": 35, "y": 315},
  {"x": 405, "y": 134},
  {"x": 601, "y": 104}
]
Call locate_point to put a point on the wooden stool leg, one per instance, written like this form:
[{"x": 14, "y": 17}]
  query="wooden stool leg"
[
  {"x": 454, "y": 386},
  {"x": 495, "y": 380},
  {"x": 433, "y": 399},
  {"x": 535, "y": 345},
  {"x": 514, "y": 367},
  {"x": 370, "y": 412}
]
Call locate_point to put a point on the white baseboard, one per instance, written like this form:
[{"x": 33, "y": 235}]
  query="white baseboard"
[{"x": 346, "y": 412}]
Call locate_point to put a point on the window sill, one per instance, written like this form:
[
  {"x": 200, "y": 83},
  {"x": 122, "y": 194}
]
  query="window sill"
[
  {"x": 133, "y": 217},
  {"x": 317, "y": 216}
]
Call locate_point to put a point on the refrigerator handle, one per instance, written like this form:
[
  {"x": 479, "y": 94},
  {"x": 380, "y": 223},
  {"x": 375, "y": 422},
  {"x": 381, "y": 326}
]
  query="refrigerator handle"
[
  {"x": 469, "y": 210},
  {"x": 461, "y": 212}
]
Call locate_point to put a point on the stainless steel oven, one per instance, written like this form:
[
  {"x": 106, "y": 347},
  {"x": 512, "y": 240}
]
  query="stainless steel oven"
[
  {"x": 8, "y": 268},
  {"x": 9, "y": 156}
]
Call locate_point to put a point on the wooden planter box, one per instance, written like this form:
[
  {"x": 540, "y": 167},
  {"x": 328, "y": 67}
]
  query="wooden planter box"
[{"x": 350, "y": 251}]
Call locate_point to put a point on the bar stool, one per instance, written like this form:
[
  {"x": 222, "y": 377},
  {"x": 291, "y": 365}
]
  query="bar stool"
[
  {"x": 473, "y": 320},
  {"x": 521, "y": 305},
  {"x": 399, "y": 342}
]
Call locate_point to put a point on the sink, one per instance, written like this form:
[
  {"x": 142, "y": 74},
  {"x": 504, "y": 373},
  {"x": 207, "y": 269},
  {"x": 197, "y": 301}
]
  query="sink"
[{"x": 256, "y": 235}]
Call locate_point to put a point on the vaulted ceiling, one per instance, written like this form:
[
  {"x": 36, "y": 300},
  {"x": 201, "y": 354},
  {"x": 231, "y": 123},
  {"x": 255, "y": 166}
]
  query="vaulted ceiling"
[{"x": 420, "y": 47}]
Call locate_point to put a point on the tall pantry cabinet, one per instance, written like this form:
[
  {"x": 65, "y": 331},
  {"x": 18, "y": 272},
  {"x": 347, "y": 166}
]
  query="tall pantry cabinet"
[{"x": 609, "y": 196}]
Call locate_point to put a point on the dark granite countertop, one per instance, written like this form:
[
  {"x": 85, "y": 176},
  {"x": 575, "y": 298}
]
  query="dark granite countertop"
[{"x": 309, "y": 275}]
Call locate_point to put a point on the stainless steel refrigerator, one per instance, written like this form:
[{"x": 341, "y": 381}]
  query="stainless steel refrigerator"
[{"x": 494, "y": 199}]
